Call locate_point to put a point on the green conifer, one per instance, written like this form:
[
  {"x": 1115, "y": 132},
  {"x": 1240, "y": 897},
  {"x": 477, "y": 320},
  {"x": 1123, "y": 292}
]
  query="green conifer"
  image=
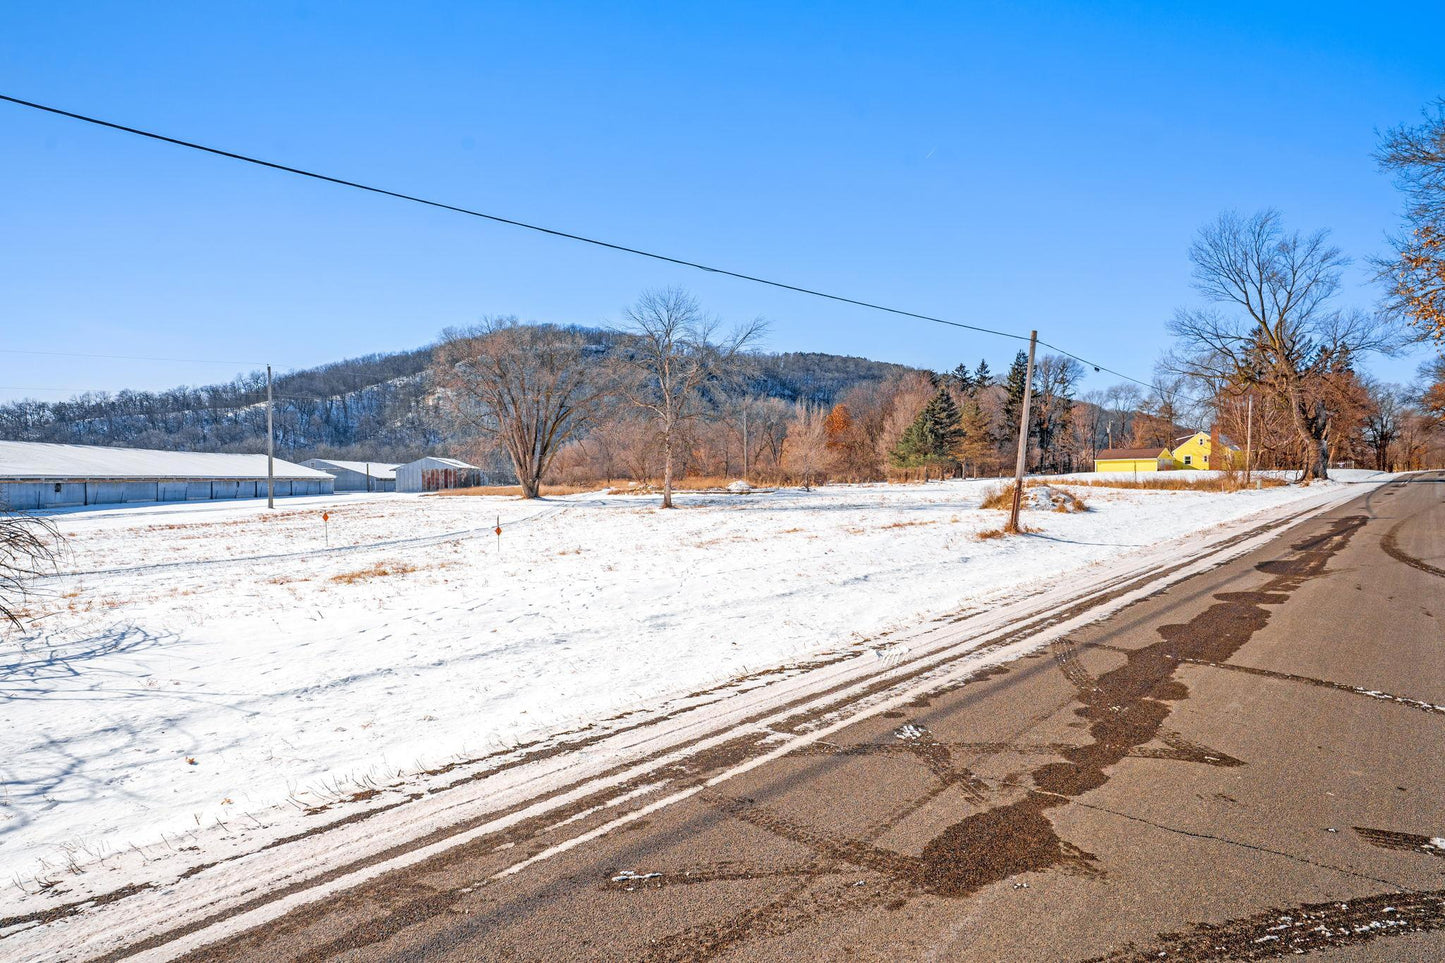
[{"x": 933, "y": 438}]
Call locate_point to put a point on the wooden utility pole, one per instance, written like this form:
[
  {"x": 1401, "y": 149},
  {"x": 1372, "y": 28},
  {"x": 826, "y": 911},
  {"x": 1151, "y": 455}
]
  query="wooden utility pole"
[
  {"x": 1249, "y": 437},
  {"x": 270, "y": 447},
  {"x": 1013, "y": 519}
]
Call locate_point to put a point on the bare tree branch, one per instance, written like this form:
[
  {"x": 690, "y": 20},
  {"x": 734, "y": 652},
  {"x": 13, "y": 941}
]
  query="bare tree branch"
[{"x": 29, "y": 548}]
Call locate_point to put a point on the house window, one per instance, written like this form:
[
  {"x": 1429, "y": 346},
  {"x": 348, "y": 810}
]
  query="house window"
[{"x": 1188, "y": 459}]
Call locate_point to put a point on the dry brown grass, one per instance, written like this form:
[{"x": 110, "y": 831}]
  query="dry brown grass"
[
  {"x": 690, "y": 484},
  {"x": 909, "y": 524},
  {"x": 378, "y": 570},
  {"x": 1213, "y": 483},
  {"x": 989, "y": 534},
  {"x": 1001, "y": 498},
  {"x": 703, "y": 483},
  {"x": 515, "y": 491}
]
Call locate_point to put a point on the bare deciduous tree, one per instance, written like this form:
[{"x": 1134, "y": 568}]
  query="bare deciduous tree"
[
  {"x": 1416, "y": 275},
  {"x": 1122, "y": 399},
  {"x": 768, "y": 421},
  {"x": 903, "y": 400},
  {"x": 1383, "y": 422},
  {"x": 671, "y": 361},
  {"x": 1159, "y": 411},
  {"x": 532, "y": 388},
  {"x": 29, "y": 547},
  {"x": 805, "y": 451},
  {"x": 1277, "y": 327},
  {"x": 1055, "y": 379},
  {"x": 1432, "y": 389}
]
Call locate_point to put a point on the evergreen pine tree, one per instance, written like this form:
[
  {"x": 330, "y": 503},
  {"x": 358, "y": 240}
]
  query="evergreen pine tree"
[
  {"x": 1013, "y": 403},
  {"x": 933, "y": 438},
  {"x": 962, "y": 379},
  {"x": 982, "y": 376},
  {"x": 1013, "y": 386}
]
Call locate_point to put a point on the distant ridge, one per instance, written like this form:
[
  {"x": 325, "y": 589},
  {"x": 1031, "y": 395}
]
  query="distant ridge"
[{"x": 377, "y": 406}]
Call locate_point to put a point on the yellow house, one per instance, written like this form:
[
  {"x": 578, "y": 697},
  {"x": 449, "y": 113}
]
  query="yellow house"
[
  {"x": 1134, "y": 460},
  {"x": 1198, "y": 451}
]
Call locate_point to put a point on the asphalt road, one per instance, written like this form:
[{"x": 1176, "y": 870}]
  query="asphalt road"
[{"x": 1247, "y": 765}]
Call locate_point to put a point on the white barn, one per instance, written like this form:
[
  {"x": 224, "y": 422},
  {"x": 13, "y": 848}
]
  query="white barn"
[
  {"x": 39, "y": 475},
  {"x": 357, "y": 476},
  {"x": 432, "y": 474}
]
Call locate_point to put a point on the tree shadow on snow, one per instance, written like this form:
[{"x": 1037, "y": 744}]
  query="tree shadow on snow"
[{"x": 38, "y": 669}]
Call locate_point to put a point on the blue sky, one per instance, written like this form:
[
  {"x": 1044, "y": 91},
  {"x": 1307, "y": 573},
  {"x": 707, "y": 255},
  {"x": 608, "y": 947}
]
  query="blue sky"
[{"x": 1011, "y": 165}]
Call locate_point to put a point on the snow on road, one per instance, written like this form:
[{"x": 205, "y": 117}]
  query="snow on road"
[{"x": 218, "y": 663}]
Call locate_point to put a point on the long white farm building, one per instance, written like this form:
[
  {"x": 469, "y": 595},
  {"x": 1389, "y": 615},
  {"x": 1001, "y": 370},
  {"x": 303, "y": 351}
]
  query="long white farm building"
[
  {"x": 37, "y": 475},
  {"x": 357, "y": 476}
]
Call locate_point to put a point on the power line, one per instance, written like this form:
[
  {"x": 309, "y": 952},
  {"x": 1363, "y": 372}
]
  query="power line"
[
  {"x": 78, "y": 391},
  {"x": 129, "y": 357},
  {"x": 681, "y": 262},
  {"x": 1096, "y": 367},
  {"x": 160, "y": 392}
]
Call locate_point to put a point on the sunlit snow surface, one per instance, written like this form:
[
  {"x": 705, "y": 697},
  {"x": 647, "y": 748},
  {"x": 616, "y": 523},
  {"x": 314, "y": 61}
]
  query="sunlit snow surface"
[{"x": 217, "y": 662}]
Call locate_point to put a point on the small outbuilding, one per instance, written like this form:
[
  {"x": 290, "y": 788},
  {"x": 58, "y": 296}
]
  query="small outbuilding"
[
  {"x": 1134, "y": 459},
  {"x": 433, "y": 474},
  {"x": 357, "y": 476},
  {"x": 40, "y": 475}
]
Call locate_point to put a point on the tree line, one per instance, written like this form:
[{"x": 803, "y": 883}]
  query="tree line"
[{"x": 671, "y": 393}]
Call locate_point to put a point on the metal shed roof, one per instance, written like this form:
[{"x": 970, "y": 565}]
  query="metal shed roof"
[
  {"x": 449, "y": 462},
  {"x": 25, "y": 460},
  {"x": 378, "y": 469}
]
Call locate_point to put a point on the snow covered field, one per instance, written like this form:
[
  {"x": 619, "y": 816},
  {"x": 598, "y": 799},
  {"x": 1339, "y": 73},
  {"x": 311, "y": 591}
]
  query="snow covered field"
[{"x": 213, "y": 662}]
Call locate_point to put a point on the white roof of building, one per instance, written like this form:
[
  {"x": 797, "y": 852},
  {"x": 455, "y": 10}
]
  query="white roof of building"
[
  {"x": 449, "y": 462},
  {"x": 20, "y": 460},
  {"x": 378, "y": 469}
]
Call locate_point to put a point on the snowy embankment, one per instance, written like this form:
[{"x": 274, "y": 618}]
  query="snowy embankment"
[{"x": 216, "y": 663}]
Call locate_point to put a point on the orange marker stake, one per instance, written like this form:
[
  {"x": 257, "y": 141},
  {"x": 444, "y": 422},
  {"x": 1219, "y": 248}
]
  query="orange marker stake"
[{"x": 326, "y": 527}]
